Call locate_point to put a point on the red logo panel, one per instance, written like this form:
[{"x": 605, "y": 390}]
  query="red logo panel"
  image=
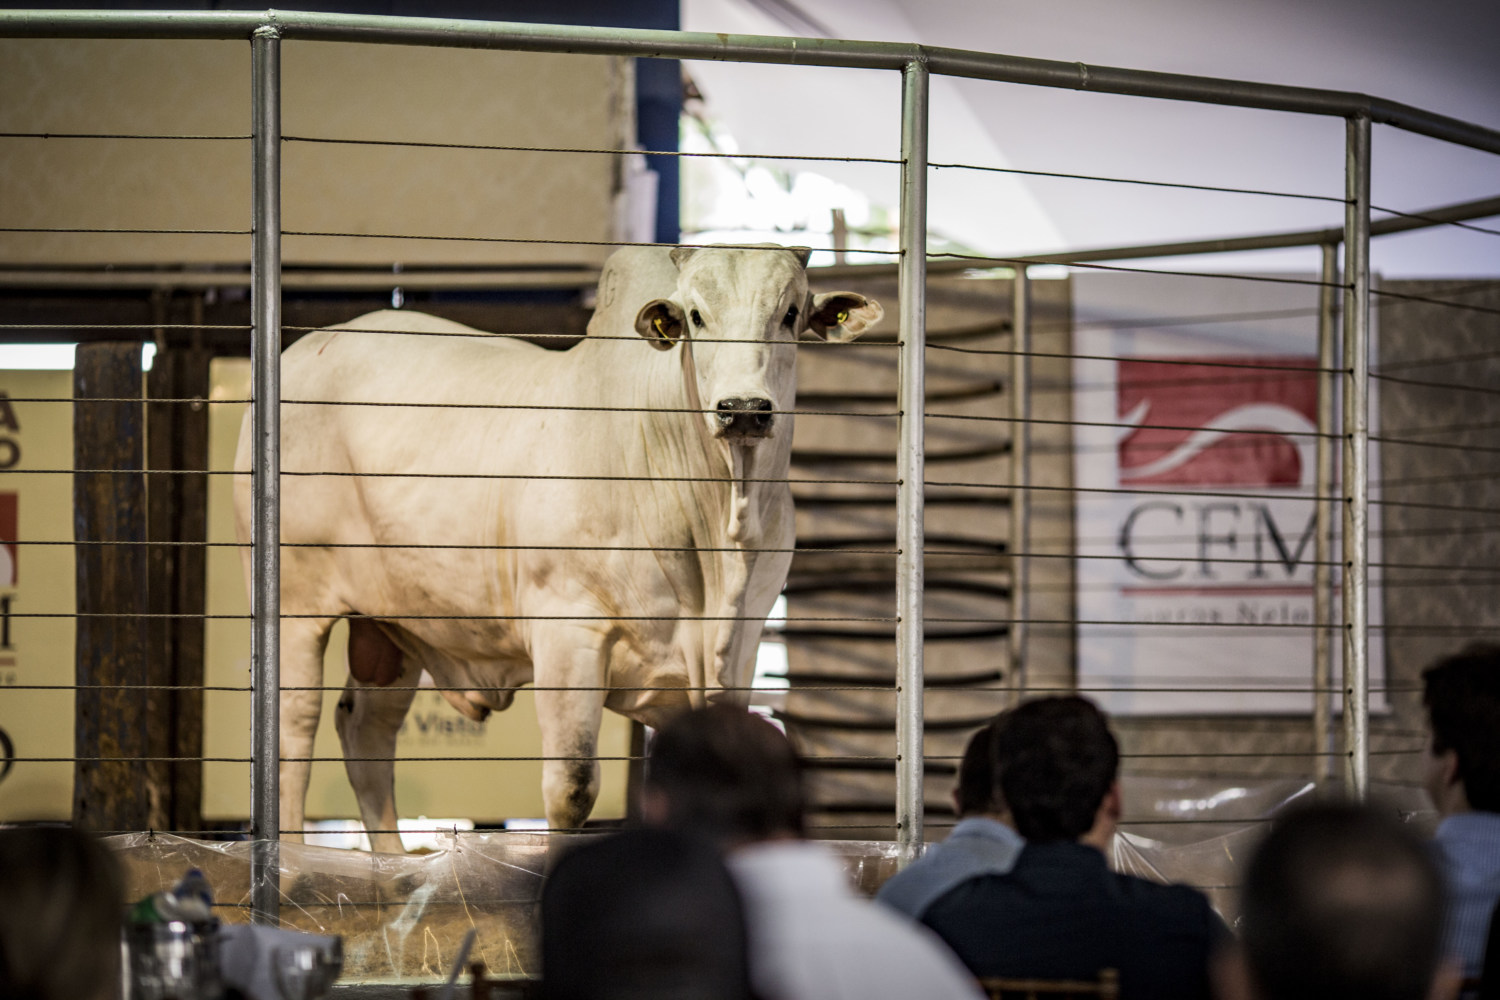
[
  {"x": 8, "y": 536},
  {"x": 1199, "y": 413}
]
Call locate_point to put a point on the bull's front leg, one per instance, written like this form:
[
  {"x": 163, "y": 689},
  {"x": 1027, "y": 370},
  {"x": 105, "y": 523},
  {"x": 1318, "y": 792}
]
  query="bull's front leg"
[{"x": 570, "y": 672}]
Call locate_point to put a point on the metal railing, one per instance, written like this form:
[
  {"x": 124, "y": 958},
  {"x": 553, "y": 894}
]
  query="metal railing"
[{"x": 266, "y": 31}]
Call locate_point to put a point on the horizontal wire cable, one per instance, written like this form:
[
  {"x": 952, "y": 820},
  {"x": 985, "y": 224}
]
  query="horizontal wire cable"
[
  {"x": 451, "y": 475},
  {"x": 540, "y": 758},
  {"x": 1483, "y": 390},
  {"x": 1474, "y": 449},
  {"x": 1207, "y": 362},
  {"x": 629, "y": 338},
  {"x": 1248, "y": 627},
  {"x": 684, "y": 154},
  {"x": 869, "y": 686},
  {"x": 1473, "y": 477},
  {"x": 1435, "y": 220},
  {"x": 1488, "y": 425},
  {"x": 1222, "y": 275},
  {"x": 1430, "y": 301},
  {"x": 1453, "y": 359},
  {"x": 96, "y": 231},
  {"x": 122, "y": 326},
  {"x": 697, "y": 154},
  {"x": 1121, "y": 426},
  {"x": 531, "y": 241},
  {"x": 121, "y": 135},
  {"x": 1130, "y": 491},
  {"x": 1180, "y": 185}
]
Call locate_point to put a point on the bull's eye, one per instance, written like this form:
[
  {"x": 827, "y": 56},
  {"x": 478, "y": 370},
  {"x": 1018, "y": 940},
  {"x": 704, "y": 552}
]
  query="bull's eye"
[
  {"x": 791, "y": 317},
  {"x": 842, "y": 318},
  {"x": 697, "y": 319}
]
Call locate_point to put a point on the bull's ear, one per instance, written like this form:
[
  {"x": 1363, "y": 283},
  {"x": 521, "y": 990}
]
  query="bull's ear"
[
  {"x": 680, "y": 255},
  {"x": 660, "y": 322},
  {"x": 803, "y": 254},
  {"x": 841, "y": 316}
]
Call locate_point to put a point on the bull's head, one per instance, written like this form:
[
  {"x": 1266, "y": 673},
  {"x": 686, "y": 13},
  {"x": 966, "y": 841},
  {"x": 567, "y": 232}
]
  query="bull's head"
[{"x": 744, "y": 308}]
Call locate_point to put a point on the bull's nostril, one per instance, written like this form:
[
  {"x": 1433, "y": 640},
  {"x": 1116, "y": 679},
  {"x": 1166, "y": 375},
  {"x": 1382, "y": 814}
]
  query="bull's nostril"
[{"x": 749, "y": 416}]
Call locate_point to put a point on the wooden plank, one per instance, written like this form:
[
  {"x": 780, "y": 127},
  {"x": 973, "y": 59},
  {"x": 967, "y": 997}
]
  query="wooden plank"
[
  {"x": 177, "y": 440},
  {"x": 108, "y": 506}
]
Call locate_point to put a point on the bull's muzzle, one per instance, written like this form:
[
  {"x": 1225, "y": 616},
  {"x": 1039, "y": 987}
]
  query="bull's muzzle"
[{"x": 741, "y": 417}]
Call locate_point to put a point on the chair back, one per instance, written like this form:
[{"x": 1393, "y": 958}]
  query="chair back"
[{"x": 1106, "y": 987}]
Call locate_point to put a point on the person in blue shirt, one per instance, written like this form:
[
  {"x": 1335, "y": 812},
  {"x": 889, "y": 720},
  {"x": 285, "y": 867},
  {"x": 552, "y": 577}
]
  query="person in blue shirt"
[
  {"x": 982, "y": 842},
  {"x": 1462, "y": 775}
]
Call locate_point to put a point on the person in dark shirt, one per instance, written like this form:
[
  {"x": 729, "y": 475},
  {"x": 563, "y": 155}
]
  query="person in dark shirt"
[{"x": 1060, "y": 913}]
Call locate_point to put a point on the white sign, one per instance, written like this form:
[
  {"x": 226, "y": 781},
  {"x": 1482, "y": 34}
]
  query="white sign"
[{"x": 1194, "y": 457}]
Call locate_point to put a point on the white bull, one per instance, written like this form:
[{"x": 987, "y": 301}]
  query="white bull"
[{"x": 603, "y": 532}]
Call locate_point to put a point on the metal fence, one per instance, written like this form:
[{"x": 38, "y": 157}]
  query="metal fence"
[{"x": 1347, "y": 295}]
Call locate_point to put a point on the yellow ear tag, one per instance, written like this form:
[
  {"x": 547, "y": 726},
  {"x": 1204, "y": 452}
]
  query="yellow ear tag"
[
  {"x": 661, "y": 327},
  {"x": 843, "y": 317}
]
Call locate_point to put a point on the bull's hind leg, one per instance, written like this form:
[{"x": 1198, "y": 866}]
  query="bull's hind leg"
[
  {"x": 302, "y": 643},
  {"x": 368, "y": 719},
  {"x": 569, "y": 702}
]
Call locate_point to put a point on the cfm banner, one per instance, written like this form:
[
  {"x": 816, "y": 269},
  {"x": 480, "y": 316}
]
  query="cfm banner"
[{"x": 1196, "y": 402}]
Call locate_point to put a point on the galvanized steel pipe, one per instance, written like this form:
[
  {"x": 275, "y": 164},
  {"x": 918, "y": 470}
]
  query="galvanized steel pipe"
[
  {"x": 265, "y": 357},
  {"x": 1356, "y": 470},
  {"x": 647, "y": 43},
  {"x": 910, "y": 502},
  {"x": 1322, "y": 678},
  {"x": 1020, "y": 474}
]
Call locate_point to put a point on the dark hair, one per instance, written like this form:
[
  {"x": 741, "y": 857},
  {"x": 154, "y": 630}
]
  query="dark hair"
[
  {"x": 728, "y": 774},
  {"x": 643, "y": 913},
  {"x": 61, "y": 907},
  {"x": 978, "y": 791},
  {"x": 1462, "y": 695},
  {"x": 1056, "y": 759},
  {"x": 1342, "y": 901}
]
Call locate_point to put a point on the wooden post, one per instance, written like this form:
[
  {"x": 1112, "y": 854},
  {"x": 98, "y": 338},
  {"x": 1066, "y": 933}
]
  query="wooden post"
[
  {"x": 109, "y": 505},
  {"x": 177, "y": 522}
]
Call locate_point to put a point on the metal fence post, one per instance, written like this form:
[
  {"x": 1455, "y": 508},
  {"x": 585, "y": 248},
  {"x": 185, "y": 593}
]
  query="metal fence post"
[
  {"x": 1356, "y": 471},
  {"x": 1020, "y": 474},
  {"x": 911, "y": 471},
  {"x": 265, "y": 355},
  {"x": 1328, "y": 354}
]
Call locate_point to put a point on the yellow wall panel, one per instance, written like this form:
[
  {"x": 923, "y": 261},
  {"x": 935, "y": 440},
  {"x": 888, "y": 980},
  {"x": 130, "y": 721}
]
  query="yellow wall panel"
[
  {"x": 330, "y": 91},
  {"x": 36, "y": 580}
]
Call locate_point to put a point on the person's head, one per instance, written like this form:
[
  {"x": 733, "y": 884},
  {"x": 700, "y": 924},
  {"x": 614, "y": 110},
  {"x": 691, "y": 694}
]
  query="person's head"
[
  {"x": 1057, "y": 762},
  {"x": 726, "y": 773},
  {"x": 61, "y": 908},
  {"x": 643, "y": 913},
  {"x": 1462, "y": 696},
  {"x": 978, "y": 792},
  {"x": 1339, "y": 901}
]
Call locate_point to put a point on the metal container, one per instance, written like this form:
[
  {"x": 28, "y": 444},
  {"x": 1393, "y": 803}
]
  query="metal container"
[{"x": 174, "y": 961}]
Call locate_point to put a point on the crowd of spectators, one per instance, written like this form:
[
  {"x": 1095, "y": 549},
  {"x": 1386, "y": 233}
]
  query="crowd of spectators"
[
  {"x": 1339, "y": 900},
  {"x": 719, "y": 895}
]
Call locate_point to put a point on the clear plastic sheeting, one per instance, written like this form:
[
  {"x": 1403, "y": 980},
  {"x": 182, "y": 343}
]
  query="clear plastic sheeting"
[
  {"x": 403, "y": 917},
  {"x": 1199, "y": 831}
]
